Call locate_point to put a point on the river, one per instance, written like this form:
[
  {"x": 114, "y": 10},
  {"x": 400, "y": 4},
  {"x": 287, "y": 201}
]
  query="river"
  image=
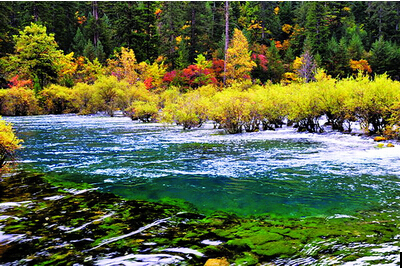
[
  {"x": 279, "y": 172},
  {"x": 85, "y": 187}
]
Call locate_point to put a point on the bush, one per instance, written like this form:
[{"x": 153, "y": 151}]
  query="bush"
[
  {"x": 18, "y": 101},
  {"x": 58, "y": 100},
  {"x": 233, "y": 109},
  {"x": 144, "y": 111},
  {"x": 333, "y": 96},
  {"x": 8, "y": 143},
  {"x": 371, "y": 101},
  {"x": 192, "y": 110},
  {"x": 304, "y": 106},
  {"x": 273, "y": 105},
  {"x": 109, "y": 93},
  {"x": 83, "y": 95}
]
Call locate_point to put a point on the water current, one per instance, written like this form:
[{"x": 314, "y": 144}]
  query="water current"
[{"x": 279, "y": 172}]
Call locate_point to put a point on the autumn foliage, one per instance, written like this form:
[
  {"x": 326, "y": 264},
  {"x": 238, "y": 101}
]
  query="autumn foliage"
[
  {"x": 8, "y": 143},
  {"x": 301, "y": 93}
]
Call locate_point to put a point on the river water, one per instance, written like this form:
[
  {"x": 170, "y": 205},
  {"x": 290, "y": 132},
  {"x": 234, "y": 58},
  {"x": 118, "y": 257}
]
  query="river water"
[{"x": 281, "y": 172}]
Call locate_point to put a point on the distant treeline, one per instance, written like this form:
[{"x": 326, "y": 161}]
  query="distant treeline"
[{"x": 334, "y": 32}]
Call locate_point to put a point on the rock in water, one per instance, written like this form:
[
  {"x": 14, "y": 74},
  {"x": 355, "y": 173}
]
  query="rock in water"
[
  {"x": 379, "y": 138},
  {"x": 217, "y": 262}
]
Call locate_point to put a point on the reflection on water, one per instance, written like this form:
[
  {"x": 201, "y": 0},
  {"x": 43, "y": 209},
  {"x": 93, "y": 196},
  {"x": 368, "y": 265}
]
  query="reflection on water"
[{"x": 281, "y": 172}]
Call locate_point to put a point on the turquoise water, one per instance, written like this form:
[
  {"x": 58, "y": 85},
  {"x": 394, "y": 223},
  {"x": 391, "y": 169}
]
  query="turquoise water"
[{"x": 283, "y": 172}]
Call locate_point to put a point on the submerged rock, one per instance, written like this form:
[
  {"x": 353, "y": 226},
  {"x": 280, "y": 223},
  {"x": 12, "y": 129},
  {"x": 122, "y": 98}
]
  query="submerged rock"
[{"x": 217, "y": 262}]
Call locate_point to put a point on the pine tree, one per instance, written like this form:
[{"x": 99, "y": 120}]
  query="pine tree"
[
  {"x": 99, "y": 53},
  {"x": 275, "y": 67},
  {"x": 171, "y": 24},
  {"x": 384, "y": 58},
  {"x": 317, "y": 33},
  {"x": 355, "y": 47},
  {"x": 79, "y": 43},
  {"x": 336, "y": 61},
  {"x": 89, "y": 51}
]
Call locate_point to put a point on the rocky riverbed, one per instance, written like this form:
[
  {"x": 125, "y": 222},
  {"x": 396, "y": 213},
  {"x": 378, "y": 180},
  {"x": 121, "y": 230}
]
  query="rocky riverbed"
[{"x": 43, "y": 222}]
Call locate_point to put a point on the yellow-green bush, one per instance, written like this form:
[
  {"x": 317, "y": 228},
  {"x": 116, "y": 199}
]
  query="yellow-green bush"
[
  {"x": 146, "y": 111},
  {"x": 140, "y": 103},
  {"x": 192, "y": 110},
  {"x": 304, "y": 106},
  {"x": 334, "y": 96},
  {"x": 186, "y": 109},
  {"x": 371, "y": 102},
  {"x": 83, "y": 95},
  {"x": 8, "y": 143},
  {"x": 18, "y": 101},
  {"x": 393, "y": 115},
  {"x": 273, "y": 105},
  {"x": 57, "y": 99},
  {"x": 231, "y": 109},
  {"x": 109, "y": 94}
]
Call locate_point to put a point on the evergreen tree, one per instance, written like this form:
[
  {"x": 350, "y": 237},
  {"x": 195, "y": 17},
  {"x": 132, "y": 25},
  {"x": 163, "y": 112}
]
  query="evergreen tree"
[
  {"x": 89, "y": 51},
  {"x": 170, "y": 26},
  {"x": 275, "y": 67},
  {"x": 134, "y": 25},
  {"x": 200, "y": 15},
  {"x": 78, "y": 45},
  {"x": 182, "y": 60},
  {"x": 270, "y": 21},
  {"x": 383, "y": 18},
  {"x": 317, "y": 34},
  {"x": 336, "y": 60},
  {"x": 355, "y": 47},
  {"x": 57, "y": 16},
  {"x": 5, "y": 26},
  {"x": 384, "y": 58},
  {"x": 99, "y": 53}
]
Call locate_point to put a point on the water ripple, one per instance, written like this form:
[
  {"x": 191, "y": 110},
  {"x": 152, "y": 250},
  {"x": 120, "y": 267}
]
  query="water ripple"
[{"x": 272, "y": 171}]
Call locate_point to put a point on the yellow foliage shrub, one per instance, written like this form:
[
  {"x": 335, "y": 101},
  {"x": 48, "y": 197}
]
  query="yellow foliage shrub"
[
  {"x": 233, "y": 110},
  {"x": 144, "y": 111},
  {"x": 18, "y": 101},
  {"x": 8, "y": 143},
  {"x": 58, "y": 99},
  {"x": 109, "y": 94},
  {"x": 83, "y": 95}
]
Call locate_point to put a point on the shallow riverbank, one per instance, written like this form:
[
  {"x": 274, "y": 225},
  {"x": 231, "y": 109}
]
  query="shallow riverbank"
[{"x": 46, "y": 225}]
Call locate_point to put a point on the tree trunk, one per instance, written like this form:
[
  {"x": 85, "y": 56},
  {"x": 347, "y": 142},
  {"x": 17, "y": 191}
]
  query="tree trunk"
[
  {"x": 96, "y": 17},
  {"x": 226, "y": 39},
  {"x": 192, "y": 38},
  {"x": 35, "y": 12}
]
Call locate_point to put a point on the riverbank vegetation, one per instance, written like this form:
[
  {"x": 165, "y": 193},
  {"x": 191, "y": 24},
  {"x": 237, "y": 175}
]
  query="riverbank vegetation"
[
  {"x": 264, "y": 62},
  {"x": 8, "y": 144},
  {"x": 150, "y": 93}
]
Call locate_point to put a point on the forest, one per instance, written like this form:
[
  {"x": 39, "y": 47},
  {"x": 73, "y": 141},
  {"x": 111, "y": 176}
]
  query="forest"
[{"x": 244, "y": 65}]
